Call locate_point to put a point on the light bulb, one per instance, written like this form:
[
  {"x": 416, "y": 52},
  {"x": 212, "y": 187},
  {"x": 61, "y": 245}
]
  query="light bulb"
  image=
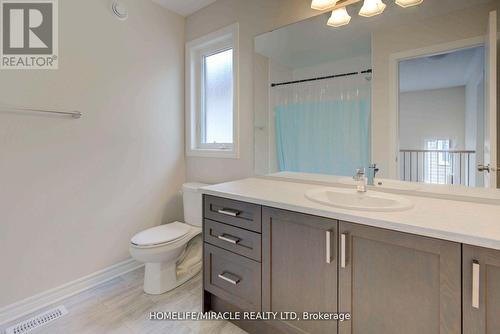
[
  {"x": 372, "y": 7},
  {"x": 339, "y": 18},
  {"x": 408, "y": 3},
  {"x": 323, "y": 4}
]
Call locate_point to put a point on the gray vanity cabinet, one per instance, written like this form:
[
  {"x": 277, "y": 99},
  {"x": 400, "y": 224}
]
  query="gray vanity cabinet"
[
  {"x": 394, "y": 283},
  {"x": 481, "y": 290},
  {"x": 299, "y": 268},
  {"x": 258, "y": 258}
]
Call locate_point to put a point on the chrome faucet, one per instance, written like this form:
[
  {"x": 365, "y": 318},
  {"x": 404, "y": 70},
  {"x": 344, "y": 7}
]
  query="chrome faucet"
[
  {"x": 372, "y": 172},
  {"x": 360, "y": 177}
]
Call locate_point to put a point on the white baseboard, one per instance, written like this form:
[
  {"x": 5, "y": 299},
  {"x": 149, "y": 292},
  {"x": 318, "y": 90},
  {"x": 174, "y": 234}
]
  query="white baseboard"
[{"x": 46, "y": 298}]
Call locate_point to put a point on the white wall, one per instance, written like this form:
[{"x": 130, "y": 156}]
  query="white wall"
[
  {"x": 261, "y": 114},
  {"x": 73, "y": 192},
  {"x": 428, "y": 114},
  {"x": 255, "y": 17},
  {"x": 475, "y": 117},
  {"x": 474, "y": 103},
  {"x": 267, "y": 71},
  {"x": 457, "y": 25},
  {"x": 277, "y": 73},
  {"x": 498, "y": 114}
]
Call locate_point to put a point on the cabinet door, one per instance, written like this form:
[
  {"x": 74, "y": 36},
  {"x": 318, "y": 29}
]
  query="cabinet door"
[
  {"x": 299, "y": 268},
  {"x": 394, "y": 283},
  {"x": 481, "y": 290}
]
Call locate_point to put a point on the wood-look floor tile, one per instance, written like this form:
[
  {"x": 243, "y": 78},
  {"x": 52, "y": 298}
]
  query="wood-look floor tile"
[{"x": 120, "y": 306}]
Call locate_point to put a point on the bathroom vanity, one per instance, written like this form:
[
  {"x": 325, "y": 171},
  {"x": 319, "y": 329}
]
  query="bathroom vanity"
[
  {"x": 406, "y": 257},
  {"x": 426, "y": 269}
]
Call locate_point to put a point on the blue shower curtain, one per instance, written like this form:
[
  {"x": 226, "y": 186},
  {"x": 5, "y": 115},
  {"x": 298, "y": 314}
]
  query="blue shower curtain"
[{"x": 330, "y": 137}]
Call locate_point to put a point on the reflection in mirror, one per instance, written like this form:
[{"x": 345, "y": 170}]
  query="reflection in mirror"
[
  {"x": 412, "y": 90},
  {"x": 319, "y": 99},
  {"x": 441, "y": 118},
  {"x": 322, "y": 126}
]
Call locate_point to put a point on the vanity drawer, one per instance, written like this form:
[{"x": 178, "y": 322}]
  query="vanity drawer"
[
  {"x": 233, "y": 239},
  {"x": 236, "y": 213},
  {"x": 233, "y": 278}
]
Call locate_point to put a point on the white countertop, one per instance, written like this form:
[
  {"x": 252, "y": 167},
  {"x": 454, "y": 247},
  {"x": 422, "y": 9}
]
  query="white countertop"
[{"x": 465, "y": 222}]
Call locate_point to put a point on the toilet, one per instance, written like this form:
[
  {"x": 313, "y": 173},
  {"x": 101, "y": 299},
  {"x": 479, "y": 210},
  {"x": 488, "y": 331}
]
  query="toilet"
[{"x": 172, "y": 253}]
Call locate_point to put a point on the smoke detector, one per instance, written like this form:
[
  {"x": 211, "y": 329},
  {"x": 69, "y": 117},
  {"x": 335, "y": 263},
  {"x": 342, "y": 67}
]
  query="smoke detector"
[{"x": 119, "y": 10}]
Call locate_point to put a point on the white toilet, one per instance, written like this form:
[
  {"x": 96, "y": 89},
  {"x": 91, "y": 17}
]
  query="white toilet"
[{"x": 172, "y": 252}]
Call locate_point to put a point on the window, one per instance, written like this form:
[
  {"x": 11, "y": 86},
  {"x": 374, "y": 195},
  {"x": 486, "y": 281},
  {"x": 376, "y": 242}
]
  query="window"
[
  {"x": 217, "y": 100},
  {"x": 212, "y": 94},
  {"x": 438, "y": 169}
]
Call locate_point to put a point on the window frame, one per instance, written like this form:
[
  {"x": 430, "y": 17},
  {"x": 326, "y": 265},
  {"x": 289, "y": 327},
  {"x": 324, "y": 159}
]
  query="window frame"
[{"x": 196, "y": 51}]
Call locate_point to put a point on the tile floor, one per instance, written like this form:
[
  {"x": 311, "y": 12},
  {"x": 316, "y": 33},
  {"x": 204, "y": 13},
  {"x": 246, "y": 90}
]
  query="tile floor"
[{"x": 121, "y": 307}]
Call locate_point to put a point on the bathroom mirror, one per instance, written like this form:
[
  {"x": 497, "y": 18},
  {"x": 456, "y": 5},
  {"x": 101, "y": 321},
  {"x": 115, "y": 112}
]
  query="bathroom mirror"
[{"x": 412, "y": 90}]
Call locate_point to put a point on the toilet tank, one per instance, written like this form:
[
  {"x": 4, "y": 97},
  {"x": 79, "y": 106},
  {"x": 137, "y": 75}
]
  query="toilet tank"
[{"x": 193, "y": 203}]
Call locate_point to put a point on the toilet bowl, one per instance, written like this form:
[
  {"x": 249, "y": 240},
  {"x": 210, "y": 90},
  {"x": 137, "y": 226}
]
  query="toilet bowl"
[{"x": 172, "y": 253}]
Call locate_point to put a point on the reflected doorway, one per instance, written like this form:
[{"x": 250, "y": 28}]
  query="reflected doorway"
[{"x": 442, "y": 118}]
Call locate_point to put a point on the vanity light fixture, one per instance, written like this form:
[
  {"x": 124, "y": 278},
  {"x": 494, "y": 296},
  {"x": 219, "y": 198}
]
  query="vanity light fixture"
[
  {"x": 372, "y": 7},
  {"x": 323, "y": 4},
  {"x": 408, "y": 3},
  {"x": 339, "y": 18}
]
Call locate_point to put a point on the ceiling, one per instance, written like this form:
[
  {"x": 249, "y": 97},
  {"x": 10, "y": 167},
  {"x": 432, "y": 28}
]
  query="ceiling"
[
  {"x": 441, "y": 71},
  {"x": 184, "y": 7}
]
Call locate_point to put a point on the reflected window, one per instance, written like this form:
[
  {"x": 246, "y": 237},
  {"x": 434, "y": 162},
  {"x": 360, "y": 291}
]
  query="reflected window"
[{"x": 438, "y": 162}]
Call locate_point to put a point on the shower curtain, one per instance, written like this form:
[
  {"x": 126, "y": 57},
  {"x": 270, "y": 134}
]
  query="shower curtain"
[{"x": 323, "y": 126}]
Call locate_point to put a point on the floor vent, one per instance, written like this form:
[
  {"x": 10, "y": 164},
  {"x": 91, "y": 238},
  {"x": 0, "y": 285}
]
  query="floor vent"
[{"x": 37, "y": 321}]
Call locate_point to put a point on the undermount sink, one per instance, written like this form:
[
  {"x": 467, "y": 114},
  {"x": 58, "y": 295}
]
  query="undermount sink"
[{"x": 353, "y": 200}]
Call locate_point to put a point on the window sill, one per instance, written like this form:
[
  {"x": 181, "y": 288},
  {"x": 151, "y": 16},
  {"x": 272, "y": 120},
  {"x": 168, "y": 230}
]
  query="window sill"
[{"x": 213, "y": 153}]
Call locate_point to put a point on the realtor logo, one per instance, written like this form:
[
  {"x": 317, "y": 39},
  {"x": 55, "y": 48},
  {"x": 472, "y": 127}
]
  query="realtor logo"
[{"x": 29, "y": 36}]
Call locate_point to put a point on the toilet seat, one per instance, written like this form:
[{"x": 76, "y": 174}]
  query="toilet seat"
[{"x": 161, "y": 235}]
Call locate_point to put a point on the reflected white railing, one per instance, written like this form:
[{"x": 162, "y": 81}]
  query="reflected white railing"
[{"x": 437, "y": 166}]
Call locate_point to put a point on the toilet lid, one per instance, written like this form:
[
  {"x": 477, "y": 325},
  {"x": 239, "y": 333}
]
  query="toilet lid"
[{"x": 161, "y": 234}]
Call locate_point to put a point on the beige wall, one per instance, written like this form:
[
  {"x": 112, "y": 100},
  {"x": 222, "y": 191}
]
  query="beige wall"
[
  {"x": 454, "y": 26},
  {"x": 73, "y": 192},
  {"x": 255, "y": 17},
  {"x": 432, "y": 114},
  {"x": 498, "y": 114}
]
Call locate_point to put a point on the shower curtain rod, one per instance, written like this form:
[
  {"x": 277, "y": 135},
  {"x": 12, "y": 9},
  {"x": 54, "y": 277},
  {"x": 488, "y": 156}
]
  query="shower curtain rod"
[{"x": 321, "y": 78}]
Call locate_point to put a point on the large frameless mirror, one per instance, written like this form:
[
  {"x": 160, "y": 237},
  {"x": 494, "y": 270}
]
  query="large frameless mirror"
[{"x": 408, "y": 90}]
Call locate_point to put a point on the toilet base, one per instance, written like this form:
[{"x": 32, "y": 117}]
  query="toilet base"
[{"x": 162, "y": 277}]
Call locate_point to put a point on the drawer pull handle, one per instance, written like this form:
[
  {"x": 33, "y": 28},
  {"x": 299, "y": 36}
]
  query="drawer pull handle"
[
  {"x": 229, "y": 238},
  {"x": 233, "y": 279},
  {"x": 343, "y": 241},
  {"x": 475, "y": 283},
  {"x": 229, "y": 212},
  {"x": 328, "y": 247}
]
